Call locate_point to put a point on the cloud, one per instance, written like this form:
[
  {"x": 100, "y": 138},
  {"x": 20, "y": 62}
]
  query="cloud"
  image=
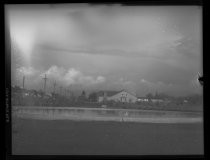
[
  {"x": 157, "y": 43},
  {"x": 97, "y": 30},
  {"x": 100, "y": 79},
  {"x": 122, "y": 83},
  {"x": 55, "y": 72},
  {"x": 72, "y": 76},
  {"x": 26, "y": 71}
]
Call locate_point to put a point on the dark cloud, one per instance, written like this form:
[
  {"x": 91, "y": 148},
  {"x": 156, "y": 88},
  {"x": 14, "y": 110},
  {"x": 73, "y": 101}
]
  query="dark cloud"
[{"x": 161, "y": 45}]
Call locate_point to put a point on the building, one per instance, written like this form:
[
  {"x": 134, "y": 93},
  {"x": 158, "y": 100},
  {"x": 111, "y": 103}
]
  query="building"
[
  {"x": 157, "y": 100},
  {"x": 142, "y": 99},
  {"x": 117, "y": 96}
]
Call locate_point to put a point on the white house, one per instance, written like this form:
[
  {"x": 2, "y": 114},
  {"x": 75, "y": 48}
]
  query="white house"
[
  {"x": 157, "y": 100},
  {"x": 143, "y": 99},
  {"x": 117, "y": 96}
]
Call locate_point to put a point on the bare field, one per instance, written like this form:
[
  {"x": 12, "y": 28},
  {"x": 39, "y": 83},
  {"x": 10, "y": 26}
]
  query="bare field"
[
  {"x": 64, "y": 130},
  {"x": 56, "y": 137}
]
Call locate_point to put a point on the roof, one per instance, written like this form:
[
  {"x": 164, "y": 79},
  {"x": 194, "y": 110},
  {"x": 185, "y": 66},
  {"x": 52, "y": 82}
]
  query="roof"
[
  {"x": 143, "y": 97},
  {"x": 111, "y": 93},
  {"x": 108, "y": 93},
  {"x": 157, "y": 98}
]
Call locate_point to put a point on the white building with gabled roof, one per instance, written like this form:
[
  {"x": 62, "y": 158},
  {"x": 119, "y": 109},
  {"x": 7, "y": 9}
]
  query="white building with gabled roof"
[
  {"x": 143, "y": 99},
  {"x": 117, "y": 96}
]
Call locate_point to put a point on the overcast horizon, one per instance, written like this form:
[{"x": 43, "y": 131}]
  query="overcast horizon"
[{"x": 141, "y": 49}]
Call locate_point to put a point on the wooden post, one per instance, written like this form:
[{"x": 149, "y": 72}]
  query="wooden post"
[
  {"x": 23, "y": 82},
  {"x": 54, "y": 85},
  {"x": 45, "y": 79}
]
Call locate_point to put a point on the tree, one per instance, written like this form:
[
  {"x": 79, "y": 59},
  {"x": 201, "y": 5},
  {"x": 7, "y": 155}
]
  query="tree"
[
  {"x": 82, "y": 97},
  {"x": 156, "y": 95},
  {"x": 195, "y": 99},
  {"x": 83, "y": 94},
  {"x": 149, "y": 96},
  {"x": 163, "y": 96},
  {"x": 93, "y": 97}
]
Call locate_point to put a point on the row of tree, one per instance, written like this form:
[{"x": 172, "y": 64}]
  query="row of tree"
[
  {"x": 21, "y": 95},
  {"x": 191, "y": 99}
]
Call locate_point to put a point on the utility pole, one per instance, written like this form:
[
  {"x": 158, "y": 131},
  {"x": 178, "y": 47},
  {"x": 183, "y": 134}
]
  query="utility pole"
[
  {"x": 45, "y": 79},
  {"x": 65, "y": 92},
  {"x": 69, "y": 90},
  {"x": 69, "y": 93},
  {"x": 23, "y": 81},
  {"x": 156, "y": 95},
  {"x": 61, "y": 90},
  {"x": 54, "y": 84}
]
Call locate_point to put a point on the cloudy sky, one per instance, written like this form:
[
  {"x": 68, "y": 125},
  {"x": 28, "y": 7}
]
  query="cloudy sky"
[{"x": 138, "y": 48}]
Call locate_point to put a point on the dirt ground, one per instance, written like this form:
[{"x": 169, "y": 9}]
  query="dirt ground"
[{"x": 66, "y": 137}]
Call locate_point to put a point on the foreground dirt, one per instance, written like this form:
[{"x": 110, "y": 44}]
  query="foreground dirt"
[{"x": 58, "y": 137}]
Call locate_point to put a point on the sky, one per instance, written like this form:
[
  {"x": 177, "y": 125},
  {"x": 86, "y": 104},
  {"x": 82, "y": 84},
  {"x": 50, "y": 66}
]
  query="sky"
[{"x": 140, "y": 49}]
